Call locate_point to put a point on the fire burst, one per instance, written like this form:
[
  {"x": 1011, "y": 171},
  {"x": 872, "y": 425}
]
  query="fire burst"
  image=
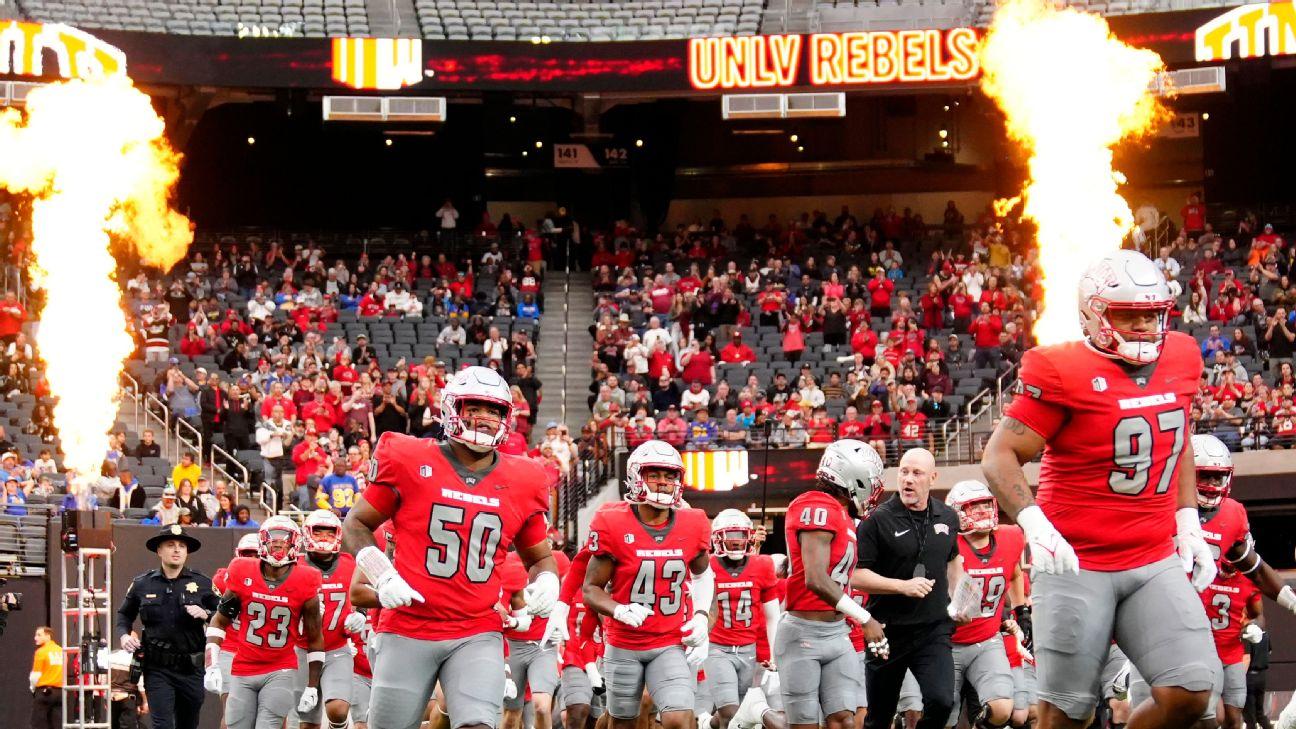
[
  {"x": 93, "y": 157},
  {"x": 1070, "y": 91}
]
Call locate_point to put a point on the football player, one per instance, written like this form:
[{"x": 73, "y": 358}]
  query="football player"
[
  {"x": 322, "y": 538},
  {"x": 1116, "y": 489},
  {"x": 745, "y": 584},
  {"x": 530, "y": 664},
  {"x": 992, "y": 563},
  {"x": 1229, "y": 600},
  {"x": 641, "y": 554},
  {"x": 456, "y": 507},
  {"x": 246, "y": 547},
  {"x": 274, "y": 600},
  {"x": 820, "y": 672},
  {"x": 361, "y": 681}
]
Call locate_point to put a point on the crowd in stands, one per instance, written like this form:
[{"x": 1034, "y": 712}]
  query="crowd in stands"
[
  {"x": 292, "y": 361},
  {"x": 725, "y": 335}
]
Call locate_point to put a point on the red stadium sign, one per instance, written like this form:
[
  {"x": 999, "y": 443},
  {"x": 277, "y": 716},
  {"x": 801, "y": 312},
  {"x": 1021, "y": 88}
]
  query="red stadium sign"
[{"x": 833, "y": 59}]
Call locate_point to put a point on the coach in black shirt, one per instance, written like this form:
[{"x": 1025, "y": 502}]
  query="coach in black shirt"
[{"x": 908, "y": 557}]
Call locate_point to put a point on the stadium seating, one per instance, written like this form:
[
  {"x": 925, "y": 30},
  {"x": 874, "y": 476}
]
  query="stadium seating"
[
  {"x": 583, "y": 21},
  {"x": 309, "y": 18}
]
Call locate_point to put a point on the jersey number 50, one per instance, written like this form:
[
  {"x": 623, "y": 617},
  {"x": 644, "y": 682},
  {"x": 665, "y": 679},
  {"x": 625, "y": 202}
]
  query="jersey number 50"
[
  {"x": 1134, "y": 444},
  {"x": 448, "y": 551}
]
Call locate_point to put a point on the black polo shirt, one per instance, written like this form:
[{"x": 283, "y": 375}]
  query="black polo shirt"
[{"x": 889, "y": 543}]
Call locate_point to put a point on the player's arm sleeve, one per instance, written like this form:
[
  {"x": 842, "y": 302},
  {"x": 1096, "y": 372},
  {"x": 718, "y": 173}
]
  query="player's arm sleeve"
[
  {"x": 535, "y": 528},
  {"x": 383, "y": 492},
  {"x": 1037, "y": 399},
  {"x": 600, "y": 539},
  {"x": 575, "y": 578}
]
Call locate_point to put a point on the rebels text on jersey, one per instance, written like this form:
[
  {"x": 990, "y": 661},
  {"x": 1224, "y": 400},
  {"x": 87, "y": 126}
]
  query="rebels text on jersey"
[
  {"x": 1225, "y": 527},
  {"x": 1226, "y": 601},
  {"x": 991, "y": 571},
  {"x": 270, "y": 616},
  {"x": 233, "y": 636},
  {"x": 816, "y": 511},
  {"x": 452, "y": 529},
  {"x": 739, "y": 598},
  {"x": 651, "y": 567},
  {"x": 1114, "y": 436},
  {"x": 335, "y": 600}
]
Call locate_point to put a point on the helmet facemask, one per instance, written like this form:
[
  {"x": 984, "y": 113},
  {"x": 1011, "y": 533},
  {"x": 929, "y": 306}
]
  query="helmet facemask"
[
  {"x": 323, "y": 539},
  {"x": 978, "y": 516},
  {"x": 1125, "y": 343},
  {"x": 1213, "y": 485},
  {"x": 479, "y": 430},
  {"x": 278, "y": 545},
  {"x": 732, "y": 542},
  {"x": 660, "y": 486}
]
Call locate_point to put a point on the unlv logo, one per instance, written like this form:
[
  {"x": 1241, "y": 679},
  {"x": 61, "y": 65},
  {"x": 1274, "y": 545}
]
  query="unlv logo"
[{"x": 1099, "y": 384}]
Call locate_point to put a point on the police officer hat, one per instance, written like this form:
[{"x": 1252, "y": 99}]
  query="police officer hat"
[{"x": 175, "y": 531}]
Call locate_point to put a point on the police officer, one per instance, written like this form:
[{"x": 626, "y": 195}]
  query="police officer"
[
  {"x": 174, "y": 603},
  {"x": 908, "y": 554}
]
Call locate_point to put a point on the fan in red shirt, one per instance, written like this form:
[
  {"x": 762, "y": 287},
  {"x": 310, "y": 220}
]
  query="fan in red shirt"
[
  {"x": 813, "y": 638},
  {"x": 276, "y": 603},
  {"x": 642, "y": 553},
  {"x": 1117, "y": 505},
  {"x": 736, "y": 351},
  {"x": 456, "y": 508},
  {"x": 992, "y": 566},
  {"x": 745, "y": 586},
  {"x": 1194, "y": 215},
  {"x": 864, "y": 342},
  {"x": 880, "y": 288}
]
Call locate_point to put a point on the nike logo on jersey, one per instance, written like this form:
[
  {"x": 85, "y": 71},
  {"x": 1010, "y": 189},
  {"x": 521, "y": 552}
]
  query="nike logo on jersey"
[{"x": 901, "y": 534}]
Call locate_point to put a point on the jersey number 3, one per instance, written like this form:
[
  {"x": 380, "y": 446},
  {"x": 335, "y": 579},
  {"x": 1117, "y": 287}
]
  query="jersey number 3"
[{"x": 1137, "y": 445}]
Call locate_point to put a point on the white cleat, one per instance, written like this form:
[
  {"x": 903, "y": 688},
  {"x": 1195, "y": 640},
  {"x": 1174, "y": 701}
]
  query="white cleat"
[{"x": 752, "y": 710}]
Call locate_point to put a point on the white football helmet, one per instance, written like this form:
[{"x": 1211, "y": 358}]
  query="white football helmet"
[
  {"x": 328, "y": 542},
  {"x": 655, "y": 454},
  {"x": 278, "y": 541},
  {"x": 476, "y": 384},
  {"x": 966, "y": 494},
  {"x": 1214, "y": 463},
  {"x": 855, "y": 468},
  {"x": 1124, "y": 279},
  {"x": 730, "y": 525},
  {"x": 247, "y": 546}
]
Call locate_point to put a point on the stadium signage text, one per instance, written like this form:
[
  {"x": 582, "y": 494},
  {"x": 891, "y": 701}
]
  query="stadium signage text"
[
  {"x": 1256, "y": 30},
  {"x": 24, "y": 48},
  {"x": 833, "y": 59}
]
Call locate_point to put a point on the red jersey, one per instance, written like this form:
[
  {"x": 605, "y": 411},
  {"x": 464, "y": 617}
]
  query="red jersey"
[
  {"x": 1226, "y": 601},
  {"x": 335, "y": 599},
  {"x": 514, "y": 580},
  {"x": 1227, "y": 526},
  {"x": 452, "y": 529},
  {"x": 740, "y": 597},
  {"x": 991, "y": 571},
  {"x": 816, "y": 511},
  {"x": 857, "y": 629},
  {"x": 586, "y": 643},
  {"x": 360, "y": 664},
  {"x": 270, "y": 617},
  {"x": 233, "y": 638},
  {"x": 1114, "y": 435},
  {"x": 651, "y": 567}
]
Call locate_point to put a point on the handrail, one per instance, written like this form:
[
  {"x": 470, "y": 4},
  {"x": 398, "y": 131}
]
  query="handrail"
[
  {"x": 273, "y": 507},
  {"x": 195, "y": 444},
  {"x": 235, "y": 484},
  {"x": 162, "y": 419}
]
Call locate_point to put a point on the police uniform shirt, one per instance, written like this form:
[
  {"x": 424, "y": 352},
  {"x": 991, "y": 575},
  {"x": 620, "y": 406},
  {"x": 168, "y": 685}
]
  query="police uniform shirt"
[
  {"x": 889, "y": 543},
  {"x": 160, "y": 605}
]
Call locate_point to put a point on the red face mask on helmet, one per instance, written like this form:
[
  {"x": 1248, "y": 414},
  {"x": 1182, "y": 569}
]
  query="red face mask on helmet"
[
  {"x": 279, "y": 541},
  {"x": 1213, "y": 486},
  {"x": 323, "y": 532}
]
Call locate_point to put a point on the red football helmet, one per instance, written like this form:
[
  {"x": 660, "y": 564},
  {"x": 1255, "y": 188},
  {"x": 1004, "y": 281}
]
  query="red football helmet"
[{"x": 279, "y": 540}]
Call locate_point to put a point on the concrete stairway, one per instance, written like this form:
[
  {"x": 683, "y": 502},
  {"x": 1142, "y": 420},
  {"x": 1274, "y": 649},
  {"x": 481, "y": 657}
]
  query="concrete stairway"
[
  {"x": 564, "y": 350},
  {"x": 392, "y": 19}
]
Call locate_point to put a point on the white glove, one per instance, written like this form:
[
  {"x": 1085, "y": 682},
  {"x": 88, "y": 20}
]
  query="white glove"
[
  {"x": 633, "y": 614},
  {"x": 212, "y": 679},
  {"x": 394, "y": 591},
  {"x": 32, "y": 678},
  {"x": 1050, "y": 552},
  {"x": 354, "y": 623},
  {"x": 542, "y": 593},
  {"x": 196, "y": 612},
  {"x": 696, "y": 655},
  {"x": 510, "y": 688},
  {"x": 130, "y": 643},
  {"x": 555, "y": 629},
  {"x": 1253, "y": 633},
  {"x": 595, "y": 675},
  {"x": 696, "y": 630},
  {"x": 1287, "y": 598},
  {"x": 520, "y": 620},
  {"x": 1194, "y": 552},
  {"x": 1287, "y": 719},
  {"x": 351, "y": 648},
  {"x": 309, "y": 698}
]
